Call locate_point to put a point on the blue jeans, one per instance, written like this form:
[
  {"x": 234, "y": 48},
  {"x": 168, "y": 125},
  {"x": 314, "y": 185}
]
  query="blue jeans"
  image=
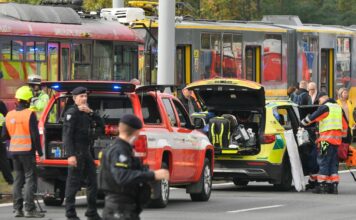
[{"x": 329, "y": 162}]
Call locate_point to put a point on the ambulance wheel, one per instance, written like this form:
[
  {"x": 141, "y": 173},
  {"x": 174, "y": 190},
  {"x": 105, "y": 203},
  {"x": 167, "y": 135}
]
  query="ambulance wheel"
[
  {"x": 239, "y": 182},
  {"x": 286, "y": 176},
  {"x": 206, "y": 182},
  {"x": 163, "y": 192}
]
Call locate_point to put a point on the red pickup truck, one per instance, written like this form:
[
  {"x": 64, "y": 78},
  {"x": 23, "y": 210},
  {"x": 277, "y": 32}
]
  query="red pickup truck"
[{"x": 168, "y": 138}]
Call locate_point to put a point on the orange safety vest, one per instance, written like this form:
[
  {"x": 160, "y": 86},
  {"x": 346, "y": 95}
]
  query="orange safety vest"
[{"x": 18, "y": 126}]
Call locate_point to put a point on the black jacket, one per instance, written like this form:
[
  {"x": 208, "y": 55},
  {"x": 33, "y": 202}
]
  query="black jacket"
[
  {"x": 35, "y": 135},
  {"x": 77, "y": 131},
  {"x": 301, "y": 97},
  {"x": 121, "y": 173}
]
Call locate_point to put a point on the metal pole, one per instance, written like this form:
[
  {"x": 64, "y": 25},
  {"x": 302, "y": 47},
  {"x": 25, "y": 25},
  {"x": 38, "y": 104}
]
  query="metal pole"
[
  {"x": 166, "y": 42},
  {"x": 118, "y": 3}
]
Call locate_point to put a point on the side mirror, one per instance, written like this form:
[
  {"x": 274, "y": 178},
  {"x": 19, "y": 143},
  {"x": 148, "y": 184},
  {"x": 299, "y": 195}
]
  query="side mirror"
[{"x": 199, "y": 123}]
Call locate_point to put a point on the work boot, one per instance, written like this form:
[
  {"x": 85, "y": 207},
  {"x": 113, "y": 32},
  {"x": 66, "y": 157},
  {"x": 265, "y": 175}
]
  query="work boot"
[
  {"x": 332, "y": 188},
  {"x": 19, "y": 213},
  {"x": 320, "y": 188},
  {"x": 34, "y": 214},
  {"x": 311, "y": 184}
]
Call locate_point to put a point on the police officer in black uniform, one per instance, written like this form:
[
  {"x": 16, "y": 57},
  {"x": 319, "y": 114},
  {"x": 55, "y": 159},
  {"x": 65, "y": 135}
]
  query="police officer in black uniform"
[
  {"x": 123, "y": 177},
  {"x": 78, "y": 120}
]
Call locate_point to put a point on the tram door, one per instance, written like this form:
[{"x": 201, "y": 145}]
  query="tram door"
[
  {"x": 183, "y": 65},
  {"x": 326, "y": 77},
  {"x": 53, "y": 60},
  {"x": 253, "y": 63}
]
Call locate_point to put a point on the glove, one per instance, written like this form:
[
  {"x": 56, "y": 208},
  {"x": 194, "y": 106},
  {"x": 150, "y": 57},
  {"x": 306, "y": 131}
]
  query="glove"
[
  {"x": 304, "y": 122},
  {"x": 324, "y": 147}
]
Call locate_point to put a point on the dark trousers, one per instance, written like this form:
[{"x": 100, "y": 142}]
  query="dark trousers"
[
  {"x": 85, "y": 170},
  {"x": 5, "y": 165},
  {"x": 328, "y": 165},
  {"x": 25, "y": 175},
  {"x": 116, "y": 209}
]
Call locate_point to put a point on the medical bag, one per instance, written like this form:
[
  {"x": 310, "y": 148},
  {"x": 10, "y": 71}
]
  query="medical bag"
[{"x": 219, "y": 132}]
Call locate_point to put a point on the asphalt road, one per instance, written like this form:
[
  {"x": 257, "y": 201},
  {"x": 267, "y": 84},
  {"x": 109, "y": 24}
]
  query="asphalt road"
[{"x": 255, "y": 202}]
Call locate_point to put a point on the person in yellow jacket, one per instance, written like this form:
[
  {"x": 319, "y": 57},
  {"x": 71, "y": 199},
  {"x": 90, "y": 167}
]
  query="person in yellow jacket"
[
  {"x": 40, "y": 99},
  {"x": 347, "y": 106},
  {"x": 21, "y": 127}
]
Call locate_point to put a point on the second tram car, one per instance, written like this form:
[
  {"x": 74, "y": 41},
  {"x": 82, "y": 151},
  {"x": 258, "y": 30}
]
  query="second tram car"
[{"x": 277, "y": 52}]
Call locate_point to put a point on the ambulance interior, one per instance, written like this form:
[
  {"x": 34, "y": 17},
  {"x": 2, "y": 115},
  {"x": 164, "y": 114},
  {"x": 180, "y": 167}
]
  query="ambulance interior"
[{"x": 235, "y": 130}]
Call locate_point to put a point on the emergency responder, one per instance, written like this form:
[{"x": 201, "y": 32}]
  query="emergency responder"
[
  {"x": 40, "y": 99},
  {"x": 22, "y": 130},
  {"x": 122, "y": 176},
  {"x": 332, "y": 127},
  {"x": 4, "y": 162},
  {"x": 76, "y": 138},
  {"x": 189, "y": 102}
]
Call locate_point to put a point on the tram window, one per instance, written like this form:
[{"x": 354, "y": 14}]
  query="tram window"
[
  {"x": 82, "y": 61},
  {"x": 272, "y": 58},
  {"x": 82, "y": 53},
  {"x": 232, "y": 56},
  {"x": 205, "y": 41},
  {"x": 102, "y": 63},
  {"x": 6, "y": 50},
  {"x": 30, "y": 50},
  {"x": 209, "y": 56},
  {"x": 17, "y": 50},
  {"x": 40, "y": 51},
  {"x": 343, "y": 63},
  {"x": 309, "y": 58},
  {"x": 125, "y": 62}
]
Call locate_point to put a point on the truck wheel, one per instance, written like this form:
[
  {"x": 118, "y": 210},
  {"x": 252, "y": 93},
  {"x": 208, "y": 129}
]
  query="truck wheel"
[
  {"x": 286, "y": 176},
  {"x": 58, "y": 197},
  {"x": 163, "y": 198},
  {"x": 239, "y": 182},
  {"x": 206, "y": 182}
]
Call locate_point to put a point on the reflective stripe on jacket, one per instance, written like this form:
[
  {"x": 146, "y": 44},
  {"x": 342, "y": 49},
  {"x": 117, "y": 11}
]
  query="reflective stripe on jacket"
[
  {"x": 330, "y": 128},
  {"x": 2, "y": 119},
  {"x": 18, "y": 127},
  {"x": 39, "y": 104}
]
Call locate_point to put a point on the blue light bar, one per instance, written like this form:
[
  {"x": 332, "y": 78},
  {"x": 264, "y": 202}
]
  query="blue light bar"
[
  {"x": 55, "y": 86},
  {"x": 116, "y": 87}
]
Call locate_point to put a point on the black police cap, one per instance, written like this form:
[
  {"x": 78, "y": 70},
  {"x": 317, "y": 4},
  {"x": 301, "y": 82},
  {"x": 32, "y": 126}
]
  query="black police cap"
[
  {"x": 321, "y": 94},
  {"x": 79, "y": 90},
  {"x": 131, "y": 120}
]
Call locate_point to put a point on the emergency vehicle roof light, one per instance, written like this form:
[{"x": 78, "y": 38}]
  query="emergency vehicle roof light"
[
  {"x": 55, "y": 86},
  {"x": 116, "y": 87},
  {"x": 104, "y": 86}
]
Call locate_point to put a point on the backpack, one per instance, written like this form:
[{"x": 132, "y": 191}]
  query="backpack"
[
  {"x": 219, "y": 132},
  {"x": 298, "y": 98}
]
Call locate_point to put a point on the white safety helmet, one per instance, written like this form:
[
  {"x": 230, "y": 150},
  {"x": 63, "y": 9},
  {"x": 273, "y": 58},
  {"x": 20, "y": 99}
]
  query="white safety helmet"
[{"x": 34, "y": 80}]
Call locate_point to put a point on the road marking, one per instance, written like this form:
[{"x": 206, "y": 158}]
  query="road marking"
[{"x": 253, "y": 209}]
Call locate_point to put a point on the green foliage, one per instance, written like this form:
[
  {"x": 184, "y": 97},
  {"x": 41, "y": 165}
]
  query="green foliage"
[{"x": 341, "y": 12}]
